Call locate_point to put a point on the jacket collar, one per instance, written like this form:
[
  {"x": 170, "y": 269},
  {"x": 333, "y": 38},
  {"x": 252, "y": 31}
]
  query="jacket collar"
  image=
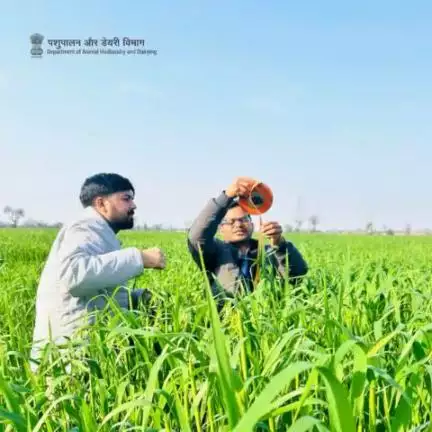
[
  {"x": 91, "y": 213},
  {"x": 253, "y": 247}
]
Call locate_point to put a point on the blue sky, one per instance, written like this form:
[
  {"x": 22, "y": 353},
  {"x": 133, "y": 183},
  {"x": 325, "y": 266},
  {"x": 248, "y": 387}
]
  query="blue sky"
[{"x": 327, "y": 102}]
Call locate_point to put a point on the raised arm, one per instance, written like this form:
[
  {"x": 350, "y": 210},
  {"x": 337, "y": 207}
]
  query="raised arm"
[{"x": 203, "y": 230}]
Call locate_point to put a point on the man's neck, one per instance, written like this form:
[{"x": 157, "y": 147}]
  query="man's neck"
[
  {"x": 109, "y": 223},
  {"x": 243, "y": 246}
]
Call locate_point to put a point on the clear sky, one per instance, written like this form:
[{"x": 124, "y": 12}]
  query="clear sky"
[{"x": 330, "y": 103}]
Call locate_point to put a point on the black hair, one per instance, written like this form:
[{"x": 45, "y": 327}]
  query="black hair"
[
  {"x": 235, "y": 204},
  {"x": 103, "y": 184}
]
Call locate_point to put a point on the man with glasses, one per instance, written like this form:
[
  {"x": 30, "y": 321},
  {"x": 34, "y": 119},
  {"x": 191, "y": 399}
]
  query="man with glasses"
[{"x": 231, "y": 263}]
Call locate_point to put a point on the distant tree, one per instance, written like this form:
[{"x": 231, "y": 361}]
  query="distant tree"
[
  {"x": 369, "y": 228},
  {"x": 313, "y": 220},
  {"x": 408, "y": 229},
  {"x": 14, "y": 215},
  {"x": 288, "y": 228},
  {"x": 298, "y": 225},
  {"x": 390, "y": 232},
  {"x": 31, "y": 223}
]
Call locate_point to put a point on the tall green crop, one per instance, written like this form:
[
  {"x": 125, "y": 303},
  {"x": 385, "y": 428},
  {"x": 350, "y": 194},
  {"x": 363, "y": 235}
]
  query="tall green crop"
[{"x": 347, "y": 350}]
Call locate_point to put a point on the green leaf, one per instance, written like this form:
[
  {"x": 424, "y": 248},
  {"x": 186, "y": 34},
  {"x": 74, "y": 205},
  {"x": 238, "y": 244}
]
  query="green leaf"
[
  {"x": 264, "y": 402},
  {"x": 304, "y": 424},
  {"x": 341, "y": 416},
  {"x": 228, "y": 382}
]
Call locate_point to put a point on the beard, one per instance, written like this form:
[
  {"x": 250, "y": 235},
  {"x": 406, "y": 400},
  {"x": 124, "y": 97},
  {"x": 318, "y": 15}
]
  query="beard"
[{"x": 123, "y": 223}]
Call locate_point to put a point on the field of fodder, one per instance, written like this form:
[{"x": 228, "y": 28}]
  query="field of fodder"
[{"x": 348, "y": 350}]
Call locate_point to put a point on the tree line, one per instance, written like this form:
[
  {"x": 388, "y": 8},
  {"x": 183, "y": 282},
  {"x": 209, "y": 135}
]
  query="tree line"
[{"x": 15, "y": 215}]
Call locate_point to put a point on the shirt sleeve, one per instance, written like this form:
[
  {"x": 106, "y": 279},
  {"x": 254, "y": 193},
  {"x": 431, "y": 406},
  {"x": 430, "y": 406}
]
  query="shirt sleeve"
[
  {"x": 85, "y": 271},
  {"x": 201, "y": 235},
  {"x": 297, "y": 265}
]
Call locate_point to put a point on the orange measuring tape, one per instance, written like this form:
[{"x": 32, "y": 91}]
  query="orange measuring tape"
[{"x": 259, "y": 201}]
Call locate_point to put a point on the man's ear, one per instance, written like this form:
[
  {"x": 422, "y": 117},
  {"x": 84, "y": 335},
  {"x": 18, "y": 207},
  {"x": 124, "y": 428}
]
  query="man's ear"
[{"x": 99, "y": 203}]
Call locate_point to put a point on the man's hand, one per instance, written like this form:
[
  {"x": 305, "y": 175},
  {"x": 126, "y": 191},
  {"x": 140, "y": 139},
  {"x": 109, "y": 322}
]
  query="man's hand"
[
  {"x": 240, "y": 187},
  {"x": 153, "y": 258},
  {"x": 273, "y": 231}
]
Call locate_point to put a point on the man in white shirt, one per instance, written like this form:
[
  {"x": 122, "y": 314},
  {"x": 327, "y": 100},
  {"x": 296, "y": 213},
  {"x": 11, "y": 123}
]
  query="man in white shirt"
[{"x": 86, "y": 263}]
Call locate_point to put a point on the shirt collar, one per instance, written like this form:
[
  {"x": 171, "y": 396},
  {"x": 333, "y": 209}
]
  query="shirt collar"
[{"x": 92, "y": 213}]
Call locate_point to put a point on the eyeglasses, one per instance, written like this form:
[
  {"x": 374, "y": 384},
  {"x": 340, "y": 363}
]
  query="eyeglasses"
[{"x": 242, "y": 220}]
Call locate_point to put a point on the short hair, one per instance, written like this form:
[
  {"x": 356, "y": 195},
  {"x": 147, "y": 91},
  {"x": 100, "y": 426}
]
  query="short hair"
[
  {"x": 103, "y": 184},
  {"x": 235, "y": 204}
]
